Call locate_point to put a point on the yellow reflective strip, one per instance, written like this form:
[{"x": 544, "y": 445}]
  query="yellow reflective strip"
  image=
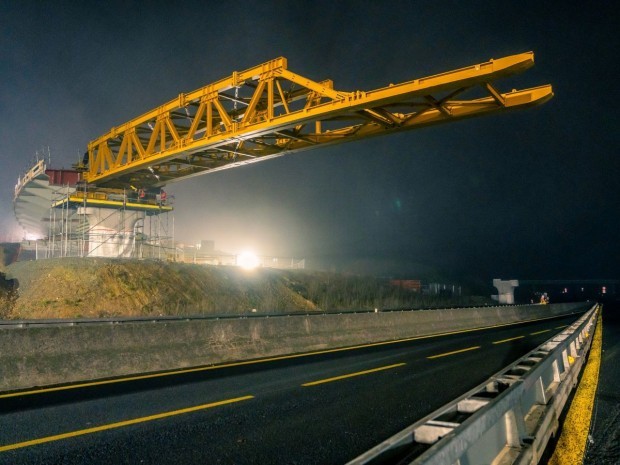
[
  {"x": 453, "y": 352},
  {"x": 120, "y": 424},
  {"x": 571, "y": 444},
  {"x": 351, "y": 375}
]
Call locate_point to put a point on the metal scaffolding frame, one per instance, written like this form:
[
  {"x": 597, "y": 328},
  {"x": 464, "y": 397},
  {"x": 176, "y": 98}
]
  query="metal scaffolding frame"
[{"x": 72, "y": 234}]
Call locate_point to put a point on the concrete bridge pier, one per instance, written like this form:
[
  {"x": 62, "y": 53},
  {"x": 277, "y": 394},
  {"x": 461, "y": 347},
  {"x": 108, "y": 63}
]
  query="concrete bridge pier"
[
  {"x": 111, "y": 232},
  {"x": 505, "y": 290}
]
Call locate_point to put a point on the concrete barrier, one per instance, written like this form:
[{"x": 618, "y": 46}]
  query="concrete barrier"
[{"x": 39, "y": 356}]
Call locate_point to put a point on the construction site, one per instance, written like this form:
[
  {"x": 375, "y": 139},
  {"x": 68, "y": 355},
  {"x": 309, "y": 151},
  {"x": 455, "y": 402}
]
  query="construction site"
[
  {"x": 113, "y": 203},
  {"x": 64, "y": 219}
]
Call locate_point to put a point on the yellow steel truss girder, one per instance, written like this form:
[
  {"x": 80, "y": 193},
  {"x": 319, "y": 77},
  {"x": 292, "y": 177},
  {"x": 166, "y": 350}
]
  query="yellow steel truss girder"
[{"x": 268, "y": 111}]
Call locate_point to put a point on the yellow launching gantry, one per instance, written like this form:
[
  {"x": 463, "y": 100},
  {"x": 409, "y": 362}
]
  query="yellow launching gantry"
[{"x": 268, "y": 111}]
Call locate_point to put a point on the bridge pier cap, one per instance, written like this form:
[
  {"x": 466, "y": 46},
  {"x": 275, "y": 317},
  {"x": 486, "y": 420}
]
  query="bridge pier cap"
[{"x": 505, "y": 290}]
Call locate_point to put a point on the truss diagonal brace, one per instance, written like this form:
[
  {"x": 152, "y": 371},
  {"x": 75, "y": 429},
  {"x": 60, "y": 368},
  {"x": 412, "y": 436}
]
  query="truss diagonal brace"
[{"x": 280, "y": 108}]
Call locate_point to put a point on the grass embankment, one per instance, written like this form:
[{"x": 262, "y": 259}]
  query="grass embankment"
[{"x": 92, "y": 288}]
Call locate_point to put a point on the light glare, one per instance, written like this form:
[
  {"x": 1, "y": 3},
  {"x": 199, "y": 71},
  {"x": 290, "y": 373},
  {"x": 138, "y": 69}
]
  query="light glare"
[{"x": 247, "y": 260}]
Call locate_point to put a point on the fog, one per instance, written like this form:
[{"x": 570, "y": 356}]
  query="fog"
[{"x": 519, "y": 195}]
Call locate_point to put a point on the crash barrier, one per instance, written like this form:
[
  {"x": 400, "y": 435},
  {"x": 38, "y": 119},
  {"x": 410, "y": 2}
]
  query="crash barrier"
[
  {"x": 61, "y": 352},
  {"x": 508, "y": 419}
]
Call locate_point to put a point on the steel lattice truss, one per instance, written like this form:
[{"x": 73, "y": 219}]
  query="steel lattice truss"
[{"x": 268, "y": 111}]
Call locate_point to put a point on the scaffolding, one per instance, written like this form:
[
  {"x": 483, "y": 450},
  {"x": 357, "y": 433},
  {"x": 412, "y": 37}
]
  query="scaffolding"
[
  {"x": 109, "y": 223},
  {"x": 159, "y": 242}
]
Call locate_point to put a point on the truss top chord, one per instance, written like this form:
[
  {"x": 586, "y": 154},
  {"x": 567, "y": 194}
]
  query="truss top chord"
[{"x": 268, "y": 111}]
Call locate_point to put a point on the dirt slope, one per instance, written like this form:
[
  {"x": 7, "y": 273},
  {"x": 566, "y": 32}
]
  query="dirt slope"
[
  {"x": 101, "y": 287},
  {"x": 63, "y": 288}
]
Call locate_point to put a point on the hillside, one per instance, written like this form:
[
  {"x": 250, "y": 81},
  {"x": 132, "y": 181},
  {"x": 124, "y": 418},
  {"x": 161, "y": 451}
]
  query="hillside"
[{"x": 98, "y": 287}]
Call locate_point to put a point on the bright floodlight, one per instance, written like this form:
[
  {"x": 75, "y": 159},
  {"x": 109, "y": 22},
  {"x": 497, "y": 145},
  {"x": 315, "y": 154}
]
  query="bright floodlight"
[{"x": 247, "y": 260}]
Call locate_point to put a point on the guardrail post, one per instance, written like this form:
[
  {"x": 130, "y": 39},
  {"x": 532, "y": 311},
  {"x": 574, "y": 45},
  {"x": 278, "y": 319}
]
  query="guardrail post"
[
  {"x": 573, "y": 349},
  {"x": 565, "y": 363},
  {"x": 556, "y": 371},
  {"x": 541, "y": 394},
  {"x": 515, "y": 427}
]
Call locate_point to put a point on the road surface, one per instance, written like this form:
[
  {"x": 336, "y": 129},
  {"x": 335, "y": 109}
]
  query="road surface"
[{"x": 321, "y": 408}]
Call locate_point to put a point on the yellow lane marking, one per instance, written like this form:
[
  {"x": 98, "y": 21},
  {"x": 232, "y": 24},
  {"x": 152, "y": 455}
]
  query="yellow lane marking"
[
  {"x": 540, "y": 332},
  {"x": 561, "y": 327},
  {"x": 252, "y": 362},
  {"x": 120, "y": 424},
  {"x": 509, "y": 339},
  {"x": 454, "y": 352},
  {"x": 351, "y": 375},
  {"x": 571, "y": 445}
]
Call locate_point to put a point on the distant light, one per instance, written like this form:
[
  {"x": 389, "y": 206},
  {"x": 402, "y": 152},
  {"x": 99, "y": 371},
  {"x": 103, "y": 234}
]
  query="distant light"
[{"x": 247, "y": 260}]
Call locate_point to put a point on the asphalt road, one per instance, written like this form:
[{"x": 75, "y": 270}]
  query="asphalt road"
[{"x": 324, "y": 408}]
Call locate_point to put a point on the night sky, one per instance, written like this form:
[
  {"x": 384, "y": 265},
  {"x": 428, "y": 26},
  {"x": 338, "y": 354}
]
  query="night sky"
[{"x": 526, "y": 194}]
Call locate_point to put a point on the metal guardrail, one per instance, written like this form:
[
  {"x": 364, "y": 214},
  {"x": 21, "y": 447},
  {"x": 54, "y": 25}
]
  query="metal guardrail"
[
  {"x": 8, "y": 324},
  {"x": 508, "y": 419}
]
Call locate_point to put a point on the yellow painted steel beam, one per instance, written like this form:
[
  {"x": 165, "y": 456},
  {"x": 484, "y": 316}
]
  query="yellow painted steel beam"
[
  {"x": 268, "y": 111},
  {"x": 105, "y": 203}
]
